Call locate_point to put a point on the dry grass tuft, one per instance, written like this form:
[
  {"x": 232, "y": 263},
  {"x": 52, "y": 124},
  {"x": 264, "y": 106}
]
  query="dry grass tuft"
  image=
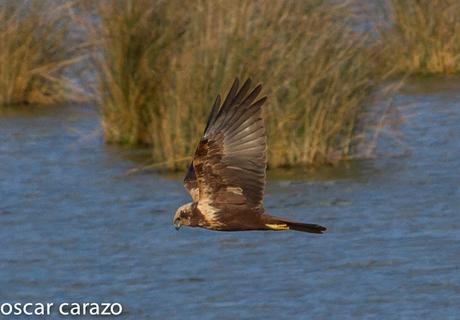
[
  {"x": 35, "y": 53},
  {"x": 423, "y": 36},
  {"x": 133, "y": 41},
  {"x": 161, "y": 64}
]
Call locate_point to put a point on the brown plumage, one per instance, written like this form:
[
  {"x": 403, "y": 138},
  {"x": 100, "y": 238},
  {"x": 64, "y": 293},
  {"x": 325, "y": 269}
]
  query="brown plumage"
[{"x": 226, "y": 178}]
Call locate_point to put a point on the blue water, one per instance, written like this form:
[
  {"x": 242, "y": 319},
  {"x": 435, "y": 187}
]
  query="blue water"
[{"x": 76, "y": 228}]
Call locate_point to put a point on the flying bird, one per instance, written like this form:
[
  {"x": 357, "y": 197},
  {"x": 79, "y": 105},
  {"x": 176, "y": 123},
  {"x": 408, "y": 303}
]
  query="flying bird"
[{"x": 226, "y": 178}]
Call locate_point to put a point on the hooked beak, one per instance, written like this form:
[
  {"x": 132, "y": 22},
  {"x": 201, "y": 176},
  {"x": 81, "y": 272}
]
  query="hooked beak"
[{"x": 177, "y": 224}]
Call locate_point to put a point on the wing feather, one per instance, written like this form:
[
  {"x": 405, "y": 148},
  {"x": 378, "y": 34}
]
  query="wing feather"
[
  {"x": 214, "y": 111},
  {"x": 190, "y": 180},
  {"x": 230, "y": 161}
]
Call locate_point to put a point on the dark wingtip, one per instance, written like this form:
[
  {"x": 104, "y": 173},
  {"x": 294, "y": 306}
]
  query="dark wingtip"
[
  {"x": 213, "y": 115},
  {"x": 230, "y": 96},
  {"x": 235, "y": 85},
  {"x": 260, "y": 102},
  {"x": 236, "y": 82},
  {"x": 253, "y": 95}
]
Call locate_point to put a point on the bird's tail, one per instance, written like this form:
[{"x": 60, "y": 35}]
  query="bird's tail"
[
  {"x": 285, "y": 224},
  {"x": 306, "y": 227}
]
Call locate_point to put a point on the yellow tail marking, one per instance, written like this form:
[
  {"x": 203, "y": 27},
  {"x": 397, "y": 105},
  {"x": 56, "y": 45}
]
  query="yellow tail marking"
[{"x": 281, "y": 226}]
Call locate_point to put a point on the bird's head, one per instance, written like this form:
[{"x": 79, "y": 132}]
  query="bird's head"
[{"x": 183, "y": 216}]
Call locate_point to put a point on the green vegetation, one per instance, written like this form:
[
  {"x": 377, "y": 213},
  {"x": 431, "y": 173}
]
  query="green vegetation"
[
  {"x": 162, "y": 65},
  {"x": 134, "y": 41},
  {"x": 159, "y": 65},
  {"x": 423, "y": 37},
  {"x": 34, "y": 53}
]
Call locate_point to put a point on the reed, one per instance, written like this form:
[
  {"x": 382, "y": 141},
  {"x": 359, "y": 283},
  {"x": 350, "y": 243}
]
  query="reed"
[
  {"x": 422, "y": 36},
  {"x": 132, "y": 41},
  {"x": 35, "y": 52},
  {"x": 161, "y": 63}
]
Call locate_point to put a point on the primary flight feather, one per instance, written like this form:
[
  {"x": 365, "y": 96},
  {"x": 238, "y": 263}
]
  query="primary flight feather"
[{"x": 226, "y": 178}]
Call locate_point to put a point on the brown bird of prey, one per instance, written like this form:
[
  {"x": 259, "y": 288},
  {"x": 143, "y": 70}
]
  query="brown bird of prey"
[{"x": 226, "y": 178}]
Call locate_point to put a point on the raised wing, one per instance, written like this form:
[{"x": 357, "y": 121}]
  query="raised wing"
[
  {"x": 230, "y": 160},
  {"x": 190, "y": 181}
]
